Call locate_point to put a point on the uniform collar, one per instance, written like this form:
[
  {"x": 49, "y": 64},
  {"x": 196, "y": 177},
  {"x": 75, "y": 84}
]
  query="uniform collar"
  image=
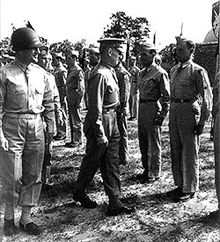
[
  {"x": 20, "y": 65},
  {"x": 185, "y": 64}
]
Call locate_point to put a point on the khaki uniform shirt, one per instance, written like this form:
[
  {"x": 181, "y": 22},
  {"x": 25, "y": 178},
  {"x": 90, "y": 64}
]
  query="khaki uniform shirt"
[
  {"x": 29, "y": 93},
  {"x": 154, "y": 84},
  {"x": 103, "y": 93},
  {"x": 190, "y": 81}
]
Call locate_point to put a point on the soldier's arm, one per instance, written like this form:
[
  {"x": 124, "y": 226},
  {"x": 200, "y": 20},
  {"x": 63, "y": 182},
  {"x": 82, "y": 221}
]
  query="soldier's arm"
[
  {"x": 165, "y": 91},
  {"x": 96, "y": 92},
  {"x": 48, "y": 103},
  {"x": 204, "y": 90},
  {"x": 3, "y": 141}
]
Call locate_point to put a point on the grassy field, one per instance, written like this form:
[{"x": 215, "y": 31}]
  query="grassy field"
[{"x": 155, "y": 219}]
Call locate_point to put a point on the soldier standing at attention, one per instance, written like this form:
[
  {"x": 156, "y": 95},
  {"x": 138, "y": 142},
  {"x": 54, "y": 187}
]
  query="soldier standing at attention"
[
  {"x": 44, "y": 62},
  {"x": 25, "y": 97},
  {"x": 216, "y": 117},
  {"x": 133, "y": 99},
  {"x": 74, "y": 93},
  {"x": 190, "y": 108},
  {"x": 101, "y": 131},
  {"x": 124, "y": 84},
  {"x": 60, "y": 74},
  {"x": 154, "y": 89}
]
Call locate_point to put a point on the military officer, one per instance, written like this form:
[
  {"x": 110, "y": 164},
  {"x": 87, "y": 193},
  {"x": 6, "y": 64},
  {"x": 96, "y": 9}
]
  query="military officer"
[
  {"x": 133, "y": 99},
  {"x": 101, "y": 130},
  {"x": 25, "y": 97},
  {"x": 75, "y": 90},
  {"x": 154, "y": 89},
  {"x": 60, "y": 74},
  {"x": 190, "y": 107},
  {"x": 124, "y": 84}
]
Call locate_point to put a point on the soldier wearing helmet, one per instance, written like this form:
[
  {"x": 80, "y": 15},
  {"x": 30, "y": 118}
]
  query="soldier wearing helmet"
[
  {"x": 25, "y": 98},
  {"x": 102, "y": 132}
]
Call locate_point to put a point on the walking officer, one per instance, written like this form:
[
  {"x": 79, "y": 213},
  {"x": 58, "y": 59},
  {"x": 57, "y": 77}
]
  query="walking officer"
[
  {"x": 101, "y": 130},
  {"x": 154, "y": 89},
  {"x": 191, "y": 99},
  {"x": 25, "y": 97}
]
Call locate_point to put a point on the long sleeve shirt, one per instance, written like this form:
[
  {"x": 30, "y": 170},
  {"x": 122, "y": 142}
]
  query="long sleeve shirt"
[
  {"x": 25, "y": 90},
  {"x": 154, "y": 84},
  {"x": 103, "y": 93}
]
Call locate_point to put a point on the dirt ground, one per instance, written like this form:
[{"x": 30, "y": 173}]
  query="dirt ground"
[{"x": 155, "y": 219}]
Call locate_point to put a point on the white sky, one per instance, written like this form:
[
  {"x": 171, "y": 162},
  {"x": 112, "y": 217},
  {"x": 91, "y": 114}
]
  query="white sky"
[{"x": 75, "y": 20}]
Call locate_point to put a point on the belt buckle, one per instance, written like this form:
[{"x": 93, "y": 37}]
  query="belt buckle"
[{"x": 181, "y": 100}]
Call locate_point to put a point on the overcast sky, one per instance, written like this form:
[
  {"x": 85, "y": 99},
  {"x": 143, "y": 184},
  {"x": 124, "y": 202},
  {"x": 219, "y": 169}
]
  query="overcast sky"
[{"x": 58, "y": 20}]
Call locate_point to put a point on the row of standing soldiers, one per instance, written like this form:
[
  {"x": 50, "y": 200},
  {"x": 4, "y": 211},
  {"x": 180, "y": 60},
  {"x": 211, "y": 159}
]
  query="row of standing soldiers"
[{"x": 27, "y": 106}]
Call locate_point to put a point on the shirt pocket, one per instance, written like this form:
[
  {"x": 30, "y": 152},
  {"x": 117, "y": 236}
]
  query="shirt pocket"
[
  {"x": 16, "y": 98},
  {"x": 39, "y": 95}
]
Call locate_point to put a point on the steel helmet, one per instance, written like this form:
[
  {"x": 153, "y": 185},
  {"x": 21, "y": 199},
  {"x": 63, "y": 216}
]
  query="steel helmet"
[{"x": 24, "y": 38}]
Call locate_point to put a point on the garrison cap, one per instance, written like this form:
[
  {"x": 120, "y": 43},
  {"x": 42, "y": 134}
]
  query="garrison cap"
[
  {"x": 116, "y": 43},
  {"x": 148, "y": 46},
  {"x": 74, "y": 52},
  {"x": 181, "y": 40},
  {"x": 58, "y": 55}
]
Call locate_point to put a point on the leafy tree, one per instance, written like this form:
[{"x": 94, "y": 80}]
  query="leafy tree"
[{"x": 135, "y": 30}]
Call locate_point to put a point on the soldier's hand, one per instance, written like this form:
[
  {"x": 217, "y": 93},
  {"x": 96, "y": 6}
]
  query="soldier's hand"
[
  {"x": 102, "y": 141},
  {"x": 49, "y": 138},
  {"x": 3, "y": 143},
  {"x": 199, "y": 129},
  {"x": 159, "y": 121},
  {"x": 60, "y": 120}
]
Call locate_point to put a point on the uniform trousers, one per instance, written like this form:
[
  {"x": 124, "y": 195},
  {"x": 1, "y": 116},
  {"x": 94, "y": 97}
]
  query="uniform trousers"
[
  {"x": 217, "y": 156},
  {"x": 101, "y": 156},
  {"x": 75, "y": 120},
  {"x": 149, "y": 136},
  {"x": 21, "y": 165},
  {"x": 133, "y": 100},
  {"x": 123, "y": 144},
  {"x": 61, "y": 129},
  {"x": 184, "y": 146}
]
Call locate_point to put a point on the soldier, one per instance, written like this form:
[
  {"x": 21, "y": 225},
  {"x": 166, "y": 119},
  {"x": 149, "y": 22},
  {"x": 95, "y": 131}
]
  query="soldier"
[
  {"x": 44, "y": 61},
  {"x": 215, "y": 115},
  {"x": 190, "y": 108},
  {"x": 133, "y": 99},
  {"x": 60, "y": 74},
  {"x": 75, "y": 91},
  {"x": 87, "y": 71},
  {"x": 124, "y": 84},
  {"x": 154, "y": 92},
  {"x": 25, "y": 97},
  {"x": 94, "y": 56},
  {"x": 101, "y": 131}
]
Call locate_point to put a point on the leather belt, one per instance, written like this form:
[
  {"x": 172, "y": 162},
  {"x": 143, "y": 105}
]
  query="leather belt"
[
  {"x": 22, "y": 115},
  {"x": 179, "y": 100},
  {"x": 110, "y": 109},
  {"x": 148, "y": 100}
]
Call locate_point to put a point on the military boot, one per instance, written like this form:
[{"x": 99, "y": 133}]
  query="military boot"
[
  {"x": 84, "y": 200},
  {"x": 116, "y": 207}
]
